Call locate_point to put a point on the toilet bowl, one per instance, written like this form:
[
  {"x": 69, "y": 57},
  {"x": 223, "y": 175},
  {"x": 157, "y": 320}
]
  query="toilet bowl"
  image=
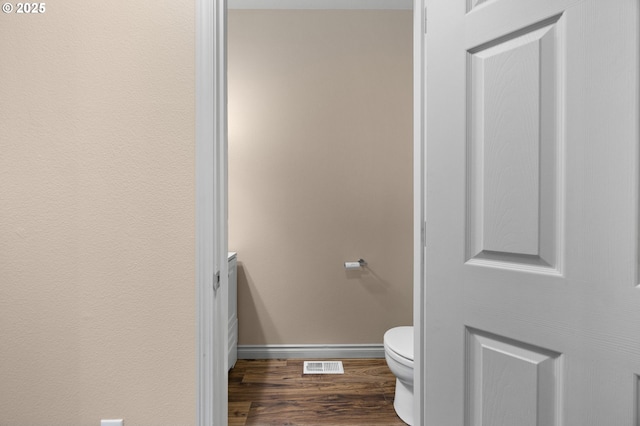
[{"x": 398, "y": 351}]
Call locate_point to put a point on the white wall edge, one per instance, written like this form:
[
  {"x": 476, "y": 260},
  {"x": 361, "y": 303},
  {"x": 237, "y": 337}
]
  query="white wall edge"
[
  {"x": 322, "y": 4},
  {"x": 311, "y": 351}
]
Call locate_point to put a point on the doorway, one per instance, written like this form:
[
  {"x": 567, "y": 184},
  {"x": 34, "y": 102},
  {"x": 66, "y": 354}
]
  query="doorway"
[
  {"x": 320, "y": 148},
  {"x": 211, "y": 178}
]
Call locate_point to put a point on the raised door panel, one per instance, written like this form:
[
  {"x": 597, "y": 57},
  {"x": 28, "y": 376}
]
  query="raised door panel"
[
  {"x": 513, "y": 144},
  {"x": 510, "y": 382}
]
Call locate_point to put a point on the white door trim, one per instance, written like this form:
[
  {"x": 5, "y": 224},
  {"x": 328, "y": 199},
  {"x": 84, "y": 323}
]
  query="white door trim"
[
  {"x": 211, "y": 223},
  {"x": 419, "y": 208}
]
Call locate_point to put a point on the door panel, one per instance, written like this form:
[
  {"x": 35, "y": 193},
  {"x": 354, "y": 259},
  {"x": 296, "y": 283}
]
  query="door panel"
[
  {"x": 513, "y": 147},
  {"x": 510, "y": 382},
  {"x": 532, "y": 306}
]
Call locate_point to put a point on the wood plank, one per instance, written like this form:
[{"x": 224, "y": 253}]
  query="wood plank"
[
  {"x": 238, "y": 412},
  {"x": 335, "y": 414},
  {"x": 308, "y": 392}
]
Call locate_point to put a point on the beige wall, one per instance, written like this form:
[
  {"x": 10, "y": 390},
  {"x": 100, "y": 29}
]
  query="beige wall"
[
  {"x": 97, "y": 295},
  {"x": 320, "y": 172}
]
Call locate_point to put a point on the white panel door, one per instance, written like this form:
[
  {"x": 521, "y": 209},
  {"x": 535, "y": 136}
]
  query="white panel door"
[{"x": 532, "y": 301}]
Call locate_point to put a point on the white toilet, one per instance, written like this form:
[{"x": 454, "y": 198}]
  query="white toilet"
[{"x": 398, "y": 351}]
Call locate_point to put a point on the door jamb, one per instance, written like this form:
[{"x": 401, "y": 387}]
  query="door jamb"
[
  {"x": 419, "y": 208},
  {"x": 211, "y": 213}
]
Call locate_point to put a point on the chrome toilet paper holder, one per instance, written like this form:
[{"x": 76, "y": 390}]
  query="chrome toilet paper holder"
[{"x": 360, "y": 263}]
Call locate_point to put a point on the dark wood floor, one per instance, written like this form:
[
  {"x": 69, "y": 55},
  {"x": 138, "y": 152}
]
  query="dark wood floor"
[{"x": 275, "y": 392}]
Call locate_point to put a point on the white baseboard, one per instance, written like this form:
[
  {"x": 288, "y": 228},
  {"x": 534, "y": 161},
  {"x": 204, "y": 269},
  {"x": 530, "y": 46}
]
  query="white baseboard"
[{"x": 311, "y": 351}]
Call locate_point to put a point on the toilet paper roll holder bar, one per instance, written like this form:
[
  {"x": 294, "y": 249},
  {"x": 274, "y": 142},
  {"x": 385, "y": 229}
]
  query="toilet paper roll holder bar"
[{"x": 357, "y": 264}]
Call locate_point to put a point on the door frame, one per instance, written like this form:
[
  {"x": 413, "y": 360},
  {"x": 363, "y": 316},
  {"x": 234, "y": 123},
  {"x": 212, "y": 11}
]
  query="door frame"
[
  {"x": 419, "y": 207},
  {"x": 211, "y": 210},
  {"x": 211, "y": 213}
]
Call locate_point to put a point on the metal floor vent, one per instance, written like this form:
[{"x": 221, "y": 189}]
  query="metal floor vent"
[{"x": 323, "y": 367}]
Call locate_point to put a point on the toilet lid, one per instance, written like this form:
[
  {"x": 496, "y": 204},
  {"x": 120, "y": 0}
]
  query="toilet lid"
[{"x": 400, "y": 340}]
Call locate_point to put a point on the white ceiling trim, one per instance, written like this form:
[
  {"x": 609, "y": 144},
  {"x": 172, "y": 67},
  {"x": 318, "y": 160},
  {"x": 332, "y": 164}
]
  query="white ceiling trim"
[{"x": 321, "y": 4}]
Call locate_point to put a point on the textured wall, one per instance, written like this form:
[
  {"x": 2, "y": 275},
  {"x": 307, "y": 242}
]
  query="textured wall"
[
  {"x": 97, "y": 297},
  {"x": 320, "y": 172}
]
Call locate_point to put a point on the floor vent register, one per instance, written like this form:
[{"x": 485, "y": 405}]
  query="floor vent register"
[{"x": 323, "y": 367}]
